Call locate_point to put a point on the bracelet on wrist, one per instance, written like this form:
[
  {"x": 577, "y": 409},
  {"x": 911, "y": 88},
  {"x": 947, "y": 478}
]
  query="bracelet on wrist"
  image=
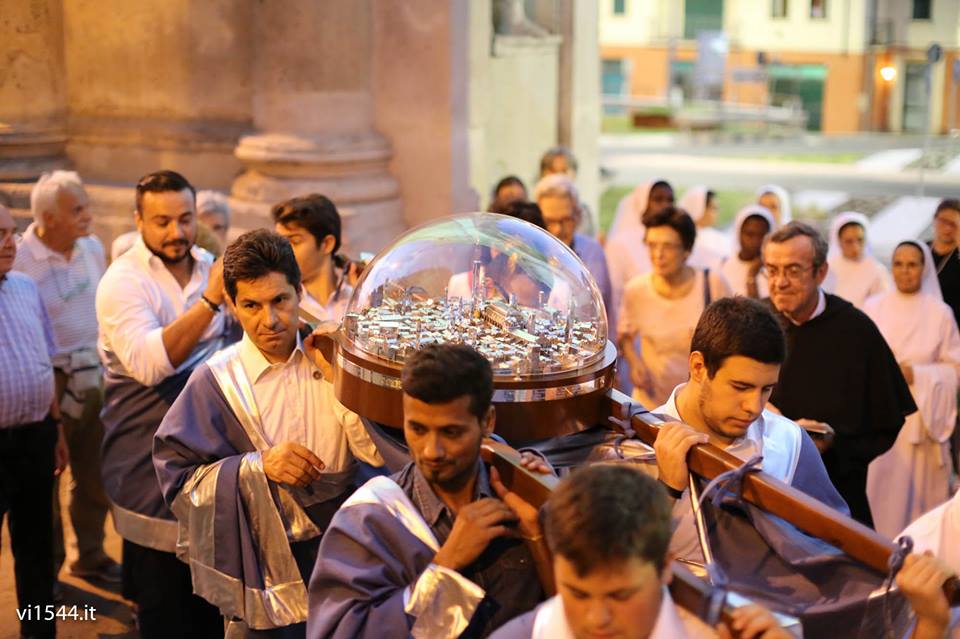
[
  {"x": 535, "y": 538},
  {"x": 673, "y": 492},
  {"x": 214, "y": 308}
]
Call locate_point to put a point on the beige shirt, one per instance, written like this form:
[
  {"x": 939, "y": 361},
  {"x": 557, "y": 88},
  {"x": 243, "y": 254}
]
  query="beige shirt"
[{"x": 297, "y": 405}]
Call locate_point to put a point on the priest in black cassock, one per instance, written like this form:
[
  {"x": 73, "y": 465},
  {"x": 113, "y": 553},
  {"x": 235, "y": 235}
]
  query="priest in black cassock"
[{"x": 839, "y": 373}]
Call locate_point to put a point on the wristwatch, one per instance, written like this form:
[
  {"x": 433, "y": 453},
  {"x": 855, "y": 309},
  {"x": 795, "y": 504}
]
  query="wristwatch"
[{"x": 214, "y": 308}]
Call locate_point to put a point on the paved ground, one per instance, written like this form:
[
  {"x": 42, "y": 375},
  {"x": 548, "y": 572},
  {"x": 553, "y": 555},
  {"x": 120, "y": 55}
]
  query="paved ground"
[{"x": 113, "y": 617}]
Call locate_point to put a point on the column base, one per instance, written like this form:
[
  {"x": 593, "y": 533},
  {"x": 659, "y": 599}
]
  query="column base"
[{"x": 351, "y": 170}]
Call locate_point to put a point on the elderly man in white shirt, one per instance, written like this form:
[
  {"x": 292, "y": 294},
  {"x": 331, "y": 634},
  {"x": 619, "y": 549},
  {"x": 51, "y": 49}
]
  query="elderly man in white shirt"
[
  {"x": 258, "y": 431},
  {"x": 64, "y": 258},
  {"x": 158, "y": 306}
]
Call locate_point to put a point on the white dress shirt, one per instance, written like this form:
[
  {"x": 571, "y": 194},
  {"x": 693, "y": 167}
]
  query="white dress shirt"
[
  {"x": 297, "y": 405},
  {"x": 136, "y": 299},
  {"x": 335, "y": 307},
  {"x": 68, "y": 288}
]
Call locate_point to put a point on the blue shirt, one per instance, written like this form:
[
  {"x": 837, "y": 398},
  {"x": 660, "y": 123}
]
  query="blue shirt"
[
  {"x": 590, "y": 251},
  {"x": 26, "y": 347}
]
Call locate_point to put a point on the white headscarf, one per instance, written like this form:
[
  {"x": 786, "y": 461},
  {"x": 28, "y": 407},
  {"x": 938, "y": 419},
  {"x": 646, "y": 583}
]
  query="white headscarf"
[
  {"x": 786, "y": 211},
  {"x": 929, "y": 283},
  {"x": 694, "y": 202},
  {"x": 631, "y": 208},
  {"x": 746, "y": 212},
  {"x": 840, "y": 221}
]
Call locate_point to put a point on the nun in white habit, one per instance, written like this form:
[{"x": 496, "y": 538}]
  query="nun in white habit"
[
  {"x": 854, "y": 273},
  {"x": 742, "y": 269},
  {"x": 627, "y": 254},
  {"x": 914, "y": 475},
  {"x": 711, "y": 245},
  {"x": 776, "y": 200}
]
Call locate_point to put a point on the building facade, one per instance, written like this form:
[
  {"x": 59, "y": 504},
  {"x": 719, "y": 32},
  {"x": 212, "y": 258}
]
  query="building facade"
[{"x": 852, "y": 65}]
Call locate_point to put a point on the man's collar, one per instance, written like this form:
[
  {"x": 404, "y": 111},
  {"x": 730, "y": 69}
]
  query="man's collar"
[
  {"x": 431, "y": 506},
  {"x": 254, "y": 361},
  {"x": 821, "y": 306},
  {"x": 149, "y": 259},
  {"x": 39, "y": 250}
]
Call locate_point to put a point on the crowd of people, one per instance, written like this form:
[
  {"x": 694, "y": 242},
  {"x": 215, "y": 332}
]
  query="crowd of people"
[{"x": 181, "y": 387}]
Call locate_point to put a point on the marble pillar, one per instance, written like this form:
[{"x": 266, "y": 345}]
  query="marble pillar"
[
  {"x": 33, "y": 105},
  {"x": 313, "y": 113}
]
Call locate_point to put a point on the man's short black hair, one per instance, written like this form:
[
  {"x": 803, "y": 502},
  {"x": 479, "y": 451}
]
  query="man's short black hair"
[
  {"x": 801, "y": 229},
  {"x": 526, "y": 211},
  {"x": 949, "y": 204},
  {"x": 676, "y": 219},
  {"x": 161, "y": 182},
  {"x": 256, "y": 254},
  {"x": 738, "y": 326},
  {"x": 603, "y": 515},
  {"x": 313, "y": 212},
  {"x": 442, "y": 373}
]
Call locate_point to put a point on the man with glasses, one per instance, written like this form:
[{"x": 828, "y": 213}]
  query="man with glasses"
[
  {"x": 560, "y": 205},
  {"x": 65, "y": 259},
  {"x": 840, "y": 377},
  {"x": 946, "y": 252}
]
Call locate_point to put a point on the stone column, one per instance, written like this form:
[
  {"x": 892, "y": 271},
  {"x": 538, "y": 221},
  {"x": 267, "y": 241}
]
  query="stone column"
[
  {"x": 313, "y": 112},
  {"x": 32, "y": 96}
]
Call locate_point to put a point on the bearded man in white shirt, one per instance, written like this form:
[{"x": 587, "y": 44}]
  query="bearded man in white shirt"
[
  {"x": 259, "y": 433},
  {"x": 158, "y": 308}
]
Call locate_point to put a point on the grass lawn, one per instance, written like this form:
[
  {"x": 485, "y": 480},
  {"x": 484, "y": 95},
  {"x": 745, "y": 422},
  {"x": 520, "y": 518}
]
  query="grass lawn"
[
  {"x": 839, "y": 157},
  {"x": 729, "y": 202}
]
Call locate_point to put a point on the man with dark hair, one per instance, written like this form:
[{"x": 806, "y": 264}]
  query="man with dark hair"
[
  {"x": 158, "y": 309},
  {"x": 608, "y": 529},
  {"x": 312, "y": 224},
  {"x": 735, "y": 357},
  {"x": 431, "y": 551},
  {"x": 508, "y": 190},
  {"x": 257, "y": 432},
  {"x": 526, "y": 211},
  {"x": 839, "y": 375},
  {"x": 945, "y": 247}
]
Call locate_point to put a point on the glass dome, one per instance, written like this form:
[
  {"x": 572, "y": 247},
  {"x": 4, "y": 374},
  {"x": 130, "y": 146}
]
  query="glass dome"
[{"x": 504, "y": 286}]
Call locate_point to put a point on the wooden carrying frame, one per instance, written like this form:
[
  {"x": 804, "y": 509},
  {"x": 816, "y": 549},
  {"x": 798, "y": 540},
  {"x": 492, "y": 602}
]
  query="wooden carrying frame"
[
  {"x": 686, "y": 589},
  {"x": 774, "y": 496}
]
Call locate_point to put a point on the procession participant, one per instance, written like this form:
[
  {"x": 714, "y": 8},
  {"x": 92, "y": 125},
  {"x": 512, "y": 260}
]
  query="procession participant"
[
  {"x": 608, "y": 529},
  {"x": 33, "y": 450},
  {"x": 158, "y": 307},
  {"x": 735, "y": 358},
  {"x": 660, "y": 309},
  {"x": 560, "y": 205},
  {"x": 934, "y": 533},
  {"x": 945, "y": 247},
  {"x": 65, "y": 259},
  {"x": 855, "y": 273},
  {"x": 742, "y": 269},
  {"x": 914, "y": 475},
  {"x": 627, "y": 255},
  {"x": 776, "y": 200},
  {"x": 507, "y": 191},
  {"x": 712, "y": 245},
  {"x": 431, "y": 551},
  {"x": 312, "y": 224},
  {"x": 259, "y": 433},
  {"x": 839, "y": 373},
  {"x": 213, "y": 211}
]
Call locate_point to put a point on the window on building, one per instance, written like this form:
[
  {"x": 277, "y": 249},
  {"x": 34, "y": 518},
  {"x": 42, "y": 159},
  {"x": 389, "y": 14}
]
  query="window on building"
[
  {"x": 818, "y": 9},
  {"x": 701, "y": 15},
  {"x": 779, "y": 9},
  {"x": 619, "y": 7},
  {"x": 921, "y": 9}
]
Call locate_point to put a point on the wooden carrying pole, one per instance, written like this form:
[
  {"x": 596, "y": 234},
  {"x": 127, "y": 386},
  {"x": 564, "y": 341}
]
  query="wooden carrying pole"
[
  {"x": 686, "y": 589},
  {"x": 775, "y": 497}
]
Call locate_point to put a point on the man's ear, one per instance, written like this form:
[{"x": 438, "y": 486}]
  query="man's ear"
[
  {"x": 490, "y": 421},
  {"x": 698, "y": 367},
  {"x": 327, "y": 244},
  {"x": 820, "y": 273},
  {"x": 138, "y": 220}
]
